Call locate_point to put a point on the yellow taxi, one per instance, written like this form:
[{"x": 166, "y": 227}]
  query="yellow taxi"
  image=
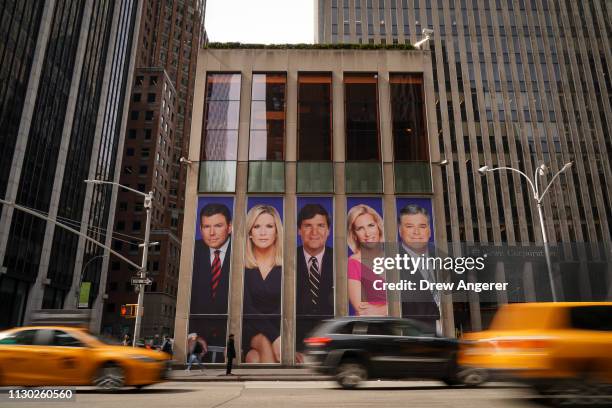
[
  {"x": 54, "y": 355},
  {"x": 545, "y": 344}
]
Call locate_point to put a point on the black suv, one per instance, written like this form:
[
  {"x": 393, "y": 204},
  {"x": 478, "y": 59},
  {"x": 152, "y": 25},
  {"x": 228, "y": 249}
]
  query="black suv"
[{"x": 355, "y": 349}]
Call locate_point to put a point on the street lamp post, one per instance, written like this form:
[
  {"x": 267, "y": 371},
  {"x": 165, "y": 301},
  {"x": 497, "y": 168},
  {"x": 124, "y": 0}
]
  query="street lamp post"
[
  {"x": 142, "y": 274},
  {"x": 535, "y": 189}
]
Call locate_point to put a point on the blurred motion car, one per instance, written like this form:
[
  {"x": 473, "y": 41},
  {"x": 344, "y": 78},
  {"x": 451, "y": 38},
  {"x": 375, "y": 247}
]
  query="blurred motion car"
[
  {"x": 554, "y": 347},
  {"x": 55, "y": 355},
  {"x": 356, "y": 349}
]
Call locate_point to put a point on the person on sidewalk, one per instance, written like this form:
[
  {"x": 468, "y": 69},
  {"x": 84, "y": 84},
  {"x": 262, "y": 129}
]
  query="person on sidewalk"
[
  {"x": 198, "y": 348},
  {"x": 230, "y": 354},
  {"x": 167, "y": 345}
]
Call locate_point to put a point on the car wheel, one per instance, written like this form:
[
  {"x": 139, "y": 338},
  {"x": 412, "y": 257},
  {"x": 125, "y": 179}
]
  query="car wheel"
[
  {"x": 110, "y": 377},
  {"x": 350, "y": 374},
  {"x": 472, "y": 377},
  {"x": 141, "y": 386}
]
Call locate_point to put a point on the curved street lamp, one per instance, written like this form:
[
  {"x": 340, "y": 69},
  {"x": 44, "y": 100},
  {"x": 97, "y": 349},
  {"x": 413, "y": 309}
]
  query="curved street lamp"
[{"x": 538, "y": 196}]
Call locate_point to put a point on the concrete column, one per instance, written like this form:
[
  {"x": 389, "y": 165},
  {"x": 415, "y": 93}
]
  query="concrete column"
[
  {"x": 183, "y": 298},
  {"x": 289, "y": 268},
  {"x": 390, "y": 220},
  {"x": 244, "y": 126},
  {"x": 340, "y": 245},
  {"x": 237, "y": 278},
  {"x": 339, "y": 154},
  {"x": 529, "y": 290}
]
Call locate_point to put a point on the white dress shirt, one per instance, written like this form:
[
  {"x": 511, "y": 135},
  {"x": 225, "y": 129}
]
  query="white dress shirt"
[
  {"x": 319, "y": 257},
  {"x": 223, "y": 250}
]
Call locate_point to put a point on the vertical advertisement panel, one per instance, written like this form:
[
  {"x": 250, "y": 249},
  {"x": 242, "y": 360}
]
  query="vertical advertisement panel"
[
  {"x": 416, "y": 239},
  {"x": 365, "y": 231},
  {"x": 263, "y": 276},
  {"x": 314, "y": 291},
  {"x": 210, "y": 280}
]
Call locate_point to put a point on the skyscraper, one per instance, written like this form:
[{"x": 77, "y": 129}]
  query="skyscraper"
[
  {"x": 66, "y": 66},
  {"x": 157, "y": 135},
  {"x": 517, "y": 83}
]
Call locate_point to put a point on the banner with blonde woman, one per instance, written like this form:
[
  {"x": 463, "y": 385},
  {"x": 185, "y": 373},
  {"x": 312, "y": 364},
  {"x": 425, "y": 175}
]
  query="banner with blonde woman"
[
  {"x": 263, "y": 278},
  {"x": 364, "y": 232}
]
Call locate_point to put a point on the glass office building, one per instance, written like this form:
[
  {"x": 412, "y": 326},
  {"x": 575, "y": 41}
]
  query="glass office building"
[
  {"x": 517, "y": 83},
  {"x": 65, "y": 69}
]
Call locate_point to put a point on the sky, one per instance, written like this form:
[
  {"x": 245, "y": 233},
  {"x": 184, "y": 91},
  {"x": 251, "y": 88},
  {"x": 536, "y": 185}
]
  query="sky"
[{"x": 260, "y": 21}]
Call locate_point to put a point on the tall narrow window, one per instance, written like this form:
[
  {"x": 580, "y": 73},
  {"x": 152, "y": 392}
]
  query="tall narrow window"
[
  {"x": 267, "y": 135},
  {"x": 410, "y": 139},
  {"x": 315, "y": 133},
  {"x": 267, "y": 139},
  {"x": 361, "y": 114},
  {"x": 363, "y": 170},
  {"x": 220, "y": 133},
  {"x": 219, "y": 146}
]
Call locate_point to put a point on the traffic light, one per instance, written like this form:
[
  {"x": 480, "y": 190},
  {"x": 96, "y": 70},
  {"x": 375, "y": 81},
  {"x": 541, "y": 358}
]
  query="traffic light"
[{"x": 129, "y": 311}]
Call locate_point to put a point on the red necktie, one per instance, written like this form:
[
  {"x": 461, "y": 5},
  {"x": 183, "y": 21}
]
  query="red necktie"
[{"x": 216, "y": 274}]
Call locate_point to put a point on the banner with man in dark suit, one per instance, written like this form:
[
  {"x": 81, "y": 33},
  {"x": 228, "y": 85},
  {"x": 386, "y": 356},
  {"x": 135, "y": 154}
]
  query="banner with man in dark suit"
[
  {"x": 211, "y": 270},
  {"x": 315, "y": 267},
  {"x": 415, "y": 230}
]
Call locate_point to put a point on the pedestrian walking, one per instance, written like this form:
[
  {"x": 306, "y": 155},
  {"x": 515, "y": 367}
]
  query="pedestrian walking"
[
  {"x": 230, "y": 353},
  {"x": 166, "y": 346},
  {"x": 197, "y": 347},
  {"x": 126, "y": 340}
]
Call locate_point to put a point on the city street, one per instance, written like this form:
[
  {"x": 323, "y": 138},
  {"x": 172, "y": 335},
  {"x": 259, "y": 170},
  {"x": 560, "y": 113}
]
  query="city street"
[{"x": 294, "y": 394}]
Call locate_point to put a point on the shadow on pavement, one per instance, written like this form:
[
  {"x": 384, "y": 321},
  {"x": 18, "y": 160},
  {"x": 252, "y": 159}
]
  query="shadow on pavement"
[
  {"x": 137, "y": 391},
  {"x": 428, "y": 388}
]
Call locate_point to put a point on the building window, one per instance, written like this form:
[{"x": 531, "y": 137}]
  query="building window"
[
  {"x": 129, "y": 151},
  {"x": 220, "y": 135},
  {"x": 314, "y": 117},
  {"x": 410, "y": 141},
  {"x": 267, "y": 133},
  {"x": 361, "y": 110},
  {"x": 149, "y": 115},
  {"x": 136, "y": 226},
  {"x": 134, "y": 115},
  {"x": 132, "y": 134},
  {"x": 314, "y": 167},
  {"x": 151, "y": 97},
  {"x": 267, "y": 140},
  {"x": 363, "y": 172},
  {"x": 147, "y": 134},
  {"x": 136, "y": 97}
]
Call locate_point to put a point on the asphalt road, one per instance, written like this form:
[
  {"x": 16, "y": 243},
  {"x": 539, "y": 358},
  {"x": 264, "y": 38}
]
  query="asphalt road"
[{"x": 318, "y": 394}]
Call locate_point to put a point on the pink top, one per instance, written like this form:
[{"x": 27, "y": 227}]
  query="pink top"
[{"x": 360, "y": 272}]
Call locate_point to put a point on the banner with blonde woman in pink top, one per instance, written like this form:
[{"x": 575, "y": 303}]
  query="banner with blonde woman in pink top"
[{"x": 365, "y": 237}]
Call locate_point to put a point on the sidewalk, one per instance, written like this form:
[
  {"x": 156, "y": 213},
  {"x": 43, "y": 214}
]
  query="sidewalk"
[{"x": 248, "y": 374}]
